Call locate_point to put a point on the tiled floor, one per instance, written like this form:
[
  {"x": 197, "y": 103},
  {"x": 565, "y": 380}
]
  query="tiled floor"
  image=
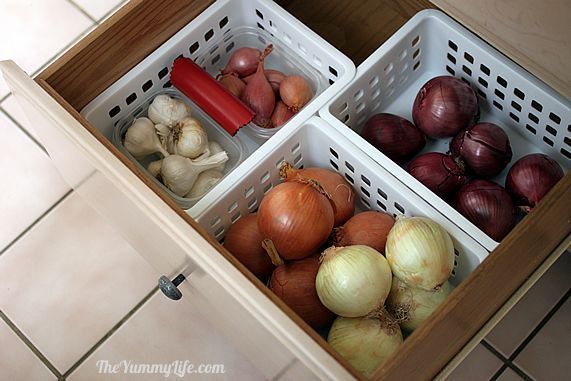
[{"x": 74, "y": 296}]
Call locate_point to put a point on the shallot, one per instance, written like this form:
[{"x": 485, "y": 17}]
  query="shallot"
[
  {"x": 234, "y": 84},
  {"x": 295, "y": 92},
  {"x": 281, "y": 114},
  {"x": 258, "y": 94},
  {"x": 243, "y": 62}
]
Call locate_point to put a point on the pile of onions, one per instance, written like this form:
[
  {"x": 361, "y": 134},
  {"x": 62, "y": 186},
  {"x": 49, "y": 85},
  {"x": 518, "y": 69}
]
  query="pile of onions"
[
  {"x": 444, "y": 106},
  {"x": 365, "y": 342},
  {"x": 353, "y": 280},
  {"x": 413, "y": 306},
  {"x": 420, "y": 252},
  {"x": 485, "y": 148},
  {"x": 531, "y": 177},
  {"x": 273, "y": 96},
  {"x": 341, "y": 192},
  {"x": 440, "y": 173},
  {"x": 294, "y": 283},
  {"x": 370, "y": 228},
  {"x": 394, "y": 136},
  {"x": 297, "y": 217},
  {"x": 488, "y": 206},
  {"x": 244, "y": 241}
]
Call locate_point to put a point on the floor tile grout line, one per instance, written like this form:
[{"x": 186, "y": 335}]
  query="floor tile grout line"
[
  {"x": 506, "y": 363},
  {"x": 30, "y": 345},
  {"x": 36, "y": 221},
  {"x": 79, "y": 8},
  {"x": 539, "y": 326},
  {"x": 111, "y": 332},
  {"x": 19, "y": 125}
]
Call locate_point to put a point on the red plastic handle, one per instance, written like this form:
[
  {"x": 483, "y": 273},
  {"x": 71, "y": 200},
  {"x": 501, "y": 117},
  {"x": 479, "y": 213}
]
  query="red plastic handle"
[{"x": 214, "y": 99}]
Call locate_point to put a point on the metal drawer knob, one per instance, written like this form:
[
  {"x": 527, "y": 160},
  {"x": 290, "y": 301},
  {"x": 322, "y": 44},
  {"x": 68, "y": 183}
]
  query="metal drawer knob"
[{"x": 169, "y": 288}]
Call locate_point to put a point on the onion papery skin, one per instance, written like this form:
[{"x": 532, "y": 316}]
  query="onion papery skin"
[
  {"x": 244, "y": 241},
  {"x": 297, "y": 218},
  {"x": 366, "y": 343},
  {"x": 440, "y": 173},
  {"x": 420, "y": 252},
  {"x": 243, "y": 62},
  {"x": 370, "y": 228},
  {"x": 488, "y": 206},
  {"x": 484, "y": 147},
  {"x": 341, "y": 192},
  {"x": 353, "y": 281},
  {"x": 413, "y": 306},
  {"x": 531, "y": 178},
  {"x": 294, "y": 283},
  {"x": 394, "y": 136},
  {"x": 444, "y": 106}
]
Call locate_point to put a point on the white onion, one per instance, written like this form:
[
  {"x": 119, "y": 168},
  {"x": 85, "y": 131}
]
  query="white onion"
[
  {"x": 353, "y": 280},
  {"x": 366, "y": 343},
  {"x": 413, "y": 306},
  {"x": 420, "y": 252}
]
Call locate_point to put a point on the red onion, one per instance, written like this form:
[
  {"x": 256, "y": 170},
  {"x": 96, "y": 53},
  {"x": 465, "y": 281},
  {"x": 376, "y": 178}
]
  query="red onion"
[
  {"x": 295, "y": 92},
  {"x": 531, "y": 177},
  {"x": 341, "y": 192},
  {"x": 274, "y": 77},
  {"x": 281, "y": 114},
  {"x": 258, "y": 94},
  {"x": 485, "y": 148},
  {"x": 444, "y": 106},
  {"x": 488, "y": 206},
  {"x": 294, "y": 283},
  {"x": 440, "y": 173},
  {"x": 394, "y": 136},
  {"x": 234, "y": 84},
  {"x": 369, "y": 228},
  {"x": 244, "y": 241},
  {"x": 243, "y": 62},
  {"x": 296, "y": 217}
]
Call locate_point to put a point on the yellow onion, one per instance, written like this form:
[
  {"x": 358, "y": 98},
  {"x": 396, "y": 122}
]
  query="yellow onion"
[
  {"x": 365, "y": 342},
  {"x": 413, "y": 306},
  {"x": 420, "y": 252},
  {"x": 353, "y": 280}
]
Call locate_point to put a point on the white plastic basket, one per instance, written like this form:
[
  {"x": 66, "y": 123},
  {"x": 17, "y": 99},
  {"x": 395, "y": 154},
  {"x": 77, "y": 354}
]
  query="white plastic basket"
[
  {"x": 210, "y": 39},
  {"x": 535, "y": 118},
  {"x": 318, "y": 144}
]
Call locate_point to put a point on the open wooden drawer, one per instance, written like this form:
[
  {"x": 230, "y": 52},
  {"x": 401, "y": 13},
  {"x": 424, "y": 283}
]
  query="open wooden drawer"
[{"x": 268, "y": 332}]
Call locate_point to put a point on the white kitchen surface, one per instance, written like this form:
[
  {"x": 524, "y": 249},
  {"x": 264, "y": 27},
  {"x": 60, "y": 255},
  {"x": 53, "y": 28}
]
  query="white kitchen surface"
[{"x": 74, "y": 294}]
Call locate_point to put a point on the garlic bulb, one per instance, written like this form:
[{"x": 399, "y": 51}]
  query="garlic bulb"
[
  {"x": 213, "y": 148},
  {"x": 168, "y": 111},
  {"x": 154, "y": 168},
  {"x": 188, "y": 138},
  {"x": 141, "y": 139},
  {"x": 180, "y": 173},
  {"x": 204, "y": 182},
  {"x": 163, "y": 131}
]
